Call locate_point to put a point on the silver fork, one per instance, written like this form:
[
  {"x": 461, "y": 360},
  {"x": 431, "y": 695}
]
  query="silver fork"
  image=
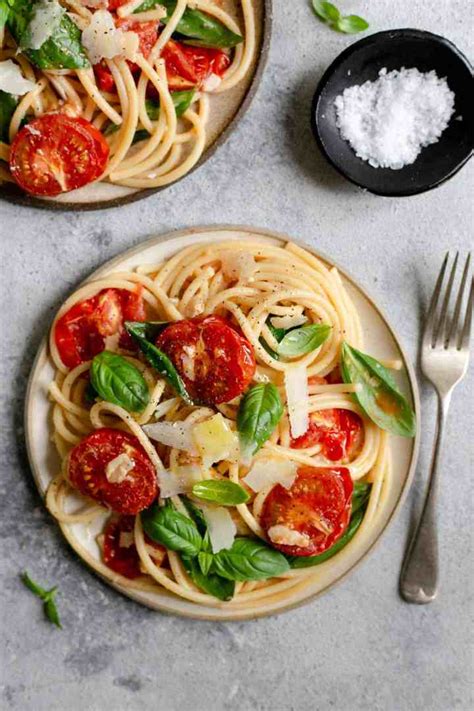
[{"x": 444, "y": 361}]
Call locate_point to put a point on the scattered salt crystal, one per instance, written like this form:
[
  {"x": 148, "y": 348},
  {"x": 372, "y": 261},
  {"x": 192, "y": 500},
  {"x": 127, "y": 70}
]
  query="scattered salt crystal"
[{"x": 387, "y": 122}]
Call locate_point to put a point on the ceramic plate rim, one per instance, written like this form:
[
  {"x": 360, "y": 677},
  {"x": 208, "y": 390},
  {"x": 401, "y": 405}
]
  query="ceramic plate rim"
[{"x": 233, "y": 615}]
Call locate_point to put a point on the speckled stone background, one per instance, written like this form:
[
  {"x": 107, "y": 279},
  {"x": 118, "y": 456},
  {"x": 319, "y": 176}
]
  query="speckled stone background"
[{"x": 358, "y": 647}]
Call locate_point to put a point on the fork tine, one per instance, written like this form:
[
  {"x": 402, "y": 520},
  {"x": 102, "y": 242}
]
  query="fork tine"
[
  {"x": 442, "y": 322},
  {"x": 453, "y": 331},
  {"x": 430, "y": 316},
  {"x": 466, "y": 330}
]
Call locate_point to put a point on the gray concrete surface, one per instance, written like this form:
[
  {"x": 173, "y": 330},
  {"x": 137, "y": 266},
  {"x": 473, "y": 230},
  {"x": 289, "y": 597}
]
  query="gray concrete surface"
[{"x": 360, "y": 646}]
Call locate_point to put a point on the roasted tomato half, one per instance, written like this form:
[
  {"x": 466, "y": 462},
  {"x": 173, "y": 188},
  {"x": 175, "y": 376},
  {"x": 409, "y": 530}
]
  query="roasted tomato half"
[
  {"x": 215, "y": 361},
  {"x": 119, "y": 551},
  {"x": 126, "y": 489},
  {"x": 81, "y": 332},
  {"x": 339, "y": 432},
  {"x": 187, "y": 66},
  {"x": 56, "y": 153},
  {"x": 312, "y": 515}
]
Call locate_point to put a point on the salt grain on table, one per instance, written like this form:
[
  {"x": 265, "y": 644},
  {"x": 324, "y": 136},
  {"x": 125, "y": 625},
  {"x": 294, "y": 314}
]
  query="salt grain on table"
[{"x": 387, "y": 122}]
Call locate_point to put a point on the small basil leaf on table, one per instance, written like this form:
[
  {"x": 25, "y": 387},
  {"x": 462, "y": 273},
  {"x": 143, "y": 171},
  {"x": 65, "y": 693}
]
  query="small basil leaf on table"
[
  {"x": 351, "y": 24},
  {"x": 47, "y": 596},
  {"x": 211, "y": 583},
  {"x": 220, "y": 491},
  {"x": 303, "y": 340},
  {"x": 172, "y": 529},
  {"x": 63, "y": 49},
  {"x": 249, "y": 559},
  {"x": 378, "y": 393},
  {"x": 205, "y": 30},
  {"x": 51, "y": 611},
  {"x": 118, "y": 381},
  {"x": 8, "y": 104},
  {"x": 326, "y": 11},
  {"x": 158, "y": 360},
  {"x": 259, "y": 412}
]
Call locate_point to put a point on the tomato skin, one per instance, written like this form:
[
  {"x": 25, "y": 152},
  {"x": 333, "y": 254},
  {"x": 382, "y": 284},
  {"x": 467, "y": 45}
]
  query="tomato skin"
[
  {"x": 124, "y": 559},
  {"x": 324, "y": 494},
  {"x": 340, "y": 433},
  {"x": 56, "y": 153},
  {"x": 188, "y": 66},
  {"x": 147, "y": 34},
  {"x": 104, "y": 78},
  {"x": 215, "y": 362},
  {"x": 87, "y": 471},
  {"x": 80, "y": 333}
]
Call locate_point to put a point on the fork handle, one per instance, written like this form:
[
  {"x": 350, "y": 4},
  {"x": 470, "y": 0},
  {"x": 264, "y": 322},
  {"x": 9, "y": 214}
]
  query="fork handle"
[{"x": 419, "y": 575}]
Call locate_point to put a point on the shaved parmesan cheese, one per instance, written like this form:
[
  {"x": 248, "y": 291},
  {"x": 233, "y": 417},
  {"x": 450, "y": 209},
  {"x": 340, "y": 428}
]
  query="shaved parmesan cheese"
[
  {"x": 238, "y": 265},
  {"x": 178, "y": 481},
  {"x": 102, "y": 40},
  {"x": 45, "y": 20},
  {"x": 117, "y": 469},
  {"x": 178, "y": 435},
  {"x": 220, "y": 525},
  {"x": 12, "y": 80},
  {"x": 212, "y": 82},
  {"x": 188, "y": 361},
  {"x": 296, "y": 385},
  {"x": 216, "y": 441},
  {"x": 289, "y": 321},
  {"x": 126, "y": 539},
  {"x": 284, "y": 536},
  {"x": 268, "y": 472}
]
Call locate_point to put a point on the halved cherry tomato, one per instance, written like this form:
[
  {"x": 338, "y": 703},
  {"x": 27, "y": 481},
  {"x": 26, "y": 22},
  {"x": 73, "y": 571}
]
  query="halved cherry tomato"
[
  {"x": 318, "y": 506},
  {"x": 339, "y": 431},
  {"x": 87, "y": 465},
  {"x": 147, "y": 34},
  {"x": 56, "y": 153},
  {"x": 214, "y": 360},
  {"x": 188, "y": 66},
  {"x": 120, "y": 552},
  {"x": 80, "y": 334}
]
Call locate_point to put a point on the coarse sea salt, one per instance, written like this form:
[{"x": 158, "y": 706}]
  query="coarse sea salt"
[{"x": 389, "y": 121}]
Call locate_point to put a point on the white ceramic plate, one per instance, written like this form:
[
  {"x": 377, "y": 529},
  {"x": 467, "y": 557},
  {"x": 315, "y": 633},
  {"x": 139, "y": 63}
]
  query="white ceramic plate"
[{"x": 380, "y": 341}]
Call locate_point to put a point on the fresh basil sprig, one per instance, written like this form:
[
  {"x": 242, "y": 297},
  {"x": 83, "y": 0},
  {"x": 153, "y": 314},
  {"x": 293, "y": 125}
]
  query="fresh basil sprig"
[
  {"x": 329, "y": 13},
  {"x": 117, "y": 380},
  {"x": 47, "y": 596},
  {"x": 220, "y": 491},
  {"x": 360, "y": 499},
  {"x": 8, "y": 104},
  {"x": 378, "y": 395},
  {"x": 172, "y": 529},
  {"x": 63, "y": 50},
  {"x": 158, "y": 360},
  {"x": 204, "y": 30},
  {"x": 249, "y": 559},
  {"x": 209, "y": 582},
  {"x": 259, "y": 412},
  {"x": 304, "y": 339}
]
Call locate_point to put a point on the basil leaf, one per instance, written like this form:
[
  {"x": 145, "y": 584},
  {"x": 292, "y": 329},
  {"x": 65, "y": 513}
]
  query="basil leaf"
[
  {"x": 259, "y": 412},
  {"x": 220, "y": 491},
  {"x": 351, "y": 24},
  {"x": 205, "y": 30},
  {"x": 277, "y": 334},
  {"x": 198, "y": 517},
  {"x": 147, "y": 329},
  {"x": 326, "y": 11},
  {"x": 379, "y": 395},
  {"x": 8, "y": 104},
  {"x": 360, "y": 495},
  {"x": 63, "y": 50},
  {"x": 158, "y": 360},
  {"x": 249, "y": 559},
  {"x": 205, "y": 561},
  {"x": 118, "y": 381},
  {"x": 4, "y": 9},
  {"x": 51, "y": 612},
  {"x": 182, "y": 100},
  {"x": 47, "y": 596},
  {"x": 303, "y": 340},
  {"x": 211, "y": 583},
  {"x": 172, "y": 529}
]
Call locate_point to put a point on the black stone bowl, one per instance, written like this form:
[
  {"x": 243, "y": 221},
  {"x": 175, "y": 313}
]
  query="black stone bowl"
[{"x": 361, "y": 62}]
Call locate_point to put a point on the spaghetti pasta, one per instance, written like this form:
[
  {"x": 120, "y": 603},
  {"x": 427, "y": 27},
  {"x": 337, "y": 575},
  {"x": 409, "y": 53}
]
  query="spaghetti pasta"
[
  {"x": 195, "y": 283},
  {"x": 152, "y": 114}
]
